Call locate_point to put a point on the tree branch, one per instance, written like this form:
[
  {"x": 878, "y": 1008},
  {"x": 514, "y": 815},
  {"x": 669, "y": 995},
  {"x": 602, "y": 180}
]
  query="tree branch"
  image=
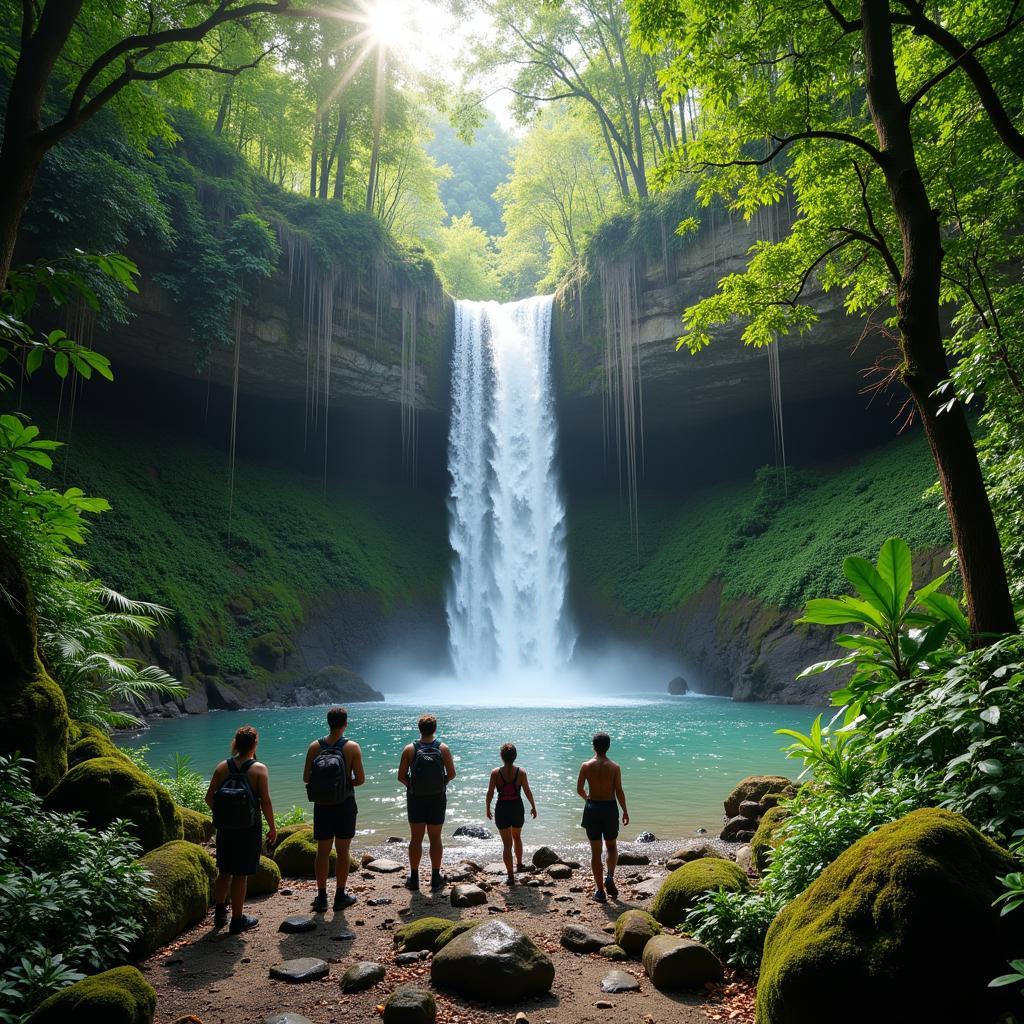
[
  {"x": 810, "y": 133},
  {"x": 882, "y": 246}
]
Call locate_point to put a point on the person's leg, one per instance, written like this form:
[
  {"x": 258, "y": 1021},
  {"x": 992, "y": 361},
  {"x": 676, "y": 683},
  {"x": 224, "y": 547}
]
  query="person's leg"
[
  {"x": 517, "y": 840},
  {"x": 436, "y": 847},
  {"x": 321, "y": 866},
  {"x": 595, "y": 864},
  {"x": 343, "y": 846},
  {"x": 506, "y": 851},
  {"x": 415, "y": 846},
  {"x": 613, "y": 860},
  {"x": 239, "y": 884},
  {"x": 221, "y": 887}
]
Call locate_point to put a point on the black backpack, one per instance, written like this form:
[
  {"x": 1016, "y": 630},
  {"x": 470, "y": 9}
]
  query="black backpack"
[
  {"x": 427, "y": 774},
  {"x": 330, "y": 781},
  {"x": 235, "y": 804}
]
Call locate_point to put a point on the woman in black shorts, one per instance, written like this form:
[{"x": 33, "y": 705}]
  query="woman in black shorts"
[{"x": 509, "y": 813}]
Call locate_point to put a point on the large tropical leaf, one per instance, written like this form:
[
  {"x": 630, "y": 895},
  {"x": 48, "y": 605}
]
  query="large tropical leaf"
[
  {"x": 870, "y": 585},
  {"x": 829, "y": 611},
  {"x": 894, "y": 566}
]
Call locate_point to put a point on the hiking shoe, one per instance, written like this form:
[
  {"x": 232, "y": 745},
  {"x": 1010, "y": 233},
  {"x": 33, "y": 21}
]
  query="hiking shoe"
[
  {"x": 522, "y": 869},
  {"x": 436, "y": 882},
  {"x": 320, "y": 903},
  {"x": 242, "y": 924},
  {"x": 412, "y": 883},
  {"x": 599, "y": 896},
  {"x": 511, "y": 879},
  {"x": 610, "y": 886},
  {"x": 220, "y": 915},
  {"x": 343, "y": 900}
]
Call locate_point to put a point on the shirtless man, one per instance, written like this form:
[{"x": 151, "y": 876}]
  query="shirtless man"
[{"x": 600, "y": 785}]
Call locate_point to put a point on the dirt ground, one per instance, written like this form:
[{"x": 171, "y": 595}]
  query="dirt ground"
[{"x": 215, "y": 978}]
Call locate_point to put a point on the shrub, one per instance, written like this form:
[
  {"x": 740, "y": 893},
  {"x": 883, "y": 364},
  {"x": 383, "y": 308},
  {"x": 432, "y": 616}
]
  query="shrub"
[
  {"x": 70, "y": 897},
  {"x": 186, "y": 786}
]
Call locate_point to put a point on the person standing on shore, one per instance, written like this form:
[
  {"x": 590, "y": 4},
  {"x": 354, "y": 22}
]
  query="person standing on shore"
[
  {"x": 509, "y": 812},
  {"x": 600, "y": 785},
  {"x": 334, "y": 767},
  {"x": 239, "y": 790},
  {"x": 425, "y": 770}
]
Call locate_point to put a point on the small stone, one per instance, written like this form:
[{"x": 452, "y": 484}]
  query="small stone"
[
  {"x": 343, "y": 937},
  {"x": 284, "y": 892},
  {"x": 366, "y": 860},
  {"x": 303, "y": 968},
  {"x": 412, "y": 957},
  {"x": 410, "y": 1004},
  {"x": 473, "y": 831},
  {"x": 379, "y": 901},
  {"x": 578, "y": 939},
  {"x": 359, "y": 977},
  {"x": 366, "y": 876},
  {"x": 281, "y": 1018},
  {"x": 608, "y": 926},
  {"x": 577, "y": 888},
  {"x": 384, "y": 866},
  {"x": 630, "y": 858},
  {"x": 533, "y": 883},
  {"x": 613, "y": 951},
  {"x": 603, "y": 1004},
  {"x": 572, "y": 913},
  {"x": 702, "y": 831},
  {"x": 468, "y": 896},
  {"x": 563, "y": 898},
  {"x": 394, "y": 839},
  {"x": 619, "y": 981},
  {"x": 298, "y": 923},
  {"x": 544, "y": 857},
  {"x": 559, "y": 872}
]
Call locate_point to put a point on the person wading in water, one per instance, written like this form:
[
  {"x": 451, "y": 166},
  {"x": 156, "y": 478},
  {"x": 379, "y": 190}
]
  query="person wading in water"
[
  {"x": 600, "y": 785},
  {"x": 425, "y": 770},
  {"x": 239, "y": 790},
  {"x": 334, "y": 767},
  {"x": 509, "y": 813}
]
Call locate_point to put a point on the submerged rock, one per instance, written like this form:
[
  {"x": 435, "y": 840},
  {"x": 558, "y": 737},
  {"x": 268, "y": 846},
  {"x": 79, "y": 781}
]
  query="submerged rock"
[{"x": 473, "y": 831}]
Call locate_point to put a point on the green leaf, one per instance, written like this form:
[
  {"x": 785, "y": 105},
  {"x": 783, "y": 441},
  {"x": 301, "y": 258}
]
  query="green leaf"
[
  {"x": 930, "y": 588},
  {"x": 870, "y": 585},
  {"x": 991, "y": 715},
  {"x": 828, "y": 611},
  {"x": 894, "y": 566},
  {"x": 34, "y": 359},
  {"x": 60, "y": 364},
  {"x": 990, "y": 766}
]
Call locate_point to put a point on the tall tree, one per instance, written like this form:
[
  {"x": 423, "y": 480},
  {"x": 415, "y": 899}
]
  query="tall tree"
[{"x": 836, "y": 99}]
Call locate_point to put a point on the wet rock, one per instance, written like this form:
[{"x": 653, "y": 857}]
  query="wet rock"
[
  {"x": 751, "y": 809},
  {"x": 287, "y": 1018},
  {"x": 359, "y": 977},
  {"x": 559, "y": 872},
  {"x": 298, "y": 923},
  {"x": 303, "y": 968},
  {"x": 678, "y": 687},
  {"x": 410, "y": 1004},
  {"x": 384, "y": 866},
  {"x": 412, "y": 957},
  {"x": 738, "y": 830},
  {"x": 631, "y": 858},
  {"x": 619, "y": 981},
  {"x": 473, "y": 831},
  {"x": 675, "y": 964},
  {"x": 544, "y": 857},
  {"x": 468, "y": 896},
  {"x": 578, "y": 939},
  {"x": 647, "y": 837}
]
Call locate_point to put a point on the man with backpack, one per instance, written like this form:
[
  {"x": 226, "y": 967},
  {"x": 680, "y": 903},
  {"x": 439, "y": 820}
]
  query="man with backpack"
[
  {"x": 239, "y": 790},
  {"x": 334, "y": 767},
  {"x": 425, "y": 770}
]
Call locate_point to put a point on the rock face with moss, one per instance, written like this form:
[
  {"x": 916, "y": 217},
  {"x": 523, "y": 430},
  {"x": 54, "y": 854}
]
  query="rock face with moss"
[
  {"x": 767, "y": 837},
  {"x": 87, "y": 742},
  {"x": 681, "y": 890},
  {"x": 904, "y": 914},
  {"x": 120, "y": 996},
  {"x": 752, "y": 788},
  {"x": 106, "y": 788},
  {"x": 182, "y": 875},
  {"x": 195, "y": 827}
]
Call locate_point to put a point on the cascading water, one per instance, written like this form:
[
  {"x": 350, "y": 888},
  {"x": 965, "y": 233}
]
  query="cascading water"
[{"x": 506, "y": 604}]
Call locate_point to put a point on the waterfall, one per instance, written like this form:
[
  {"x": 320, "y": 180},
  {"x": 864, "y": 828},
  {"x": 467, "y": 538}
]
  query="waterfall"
[{"x": 507, "y": 600}]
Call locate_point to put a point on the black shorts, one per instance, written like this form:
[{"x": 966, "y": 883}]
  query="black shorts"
[
  {"x": 509, "y": 814},
  {"x": 601, "y": 819},
  {"x": 335, "y": 821},
  {"x": 238, "y": 849},
  {"x": 426, "y": 810}
]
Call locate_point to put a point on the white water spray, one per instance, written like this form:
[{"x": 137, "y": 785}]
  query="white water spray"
[{"x": 506, "y": 605}]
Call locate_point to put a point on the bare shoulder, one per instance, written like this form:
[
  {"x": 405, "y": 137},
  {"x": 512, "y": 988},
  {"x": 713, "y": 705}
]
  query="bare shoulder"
[
  {"x": 313, "y": 747},
  {"x": 407, "y": 750},
  {"x": 259, "y": 768},
  {"x": 587, "y": 765},
  {"x": 445, "y": 749},
  {"x": 353, "y": 746}
]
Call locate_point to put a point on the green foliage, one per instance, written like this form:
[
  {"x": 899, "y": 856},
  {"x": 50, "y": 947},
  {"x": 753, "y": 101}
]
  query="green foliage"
[
  {"x": 781, "y": 553},
  {"x": 466, "y": 261},
  {"x": 186, "y": 786},
  {"x": 1010, "y": 899},
  {"x": 69, "y": 896},
  {"x": 733, "y": 925}
]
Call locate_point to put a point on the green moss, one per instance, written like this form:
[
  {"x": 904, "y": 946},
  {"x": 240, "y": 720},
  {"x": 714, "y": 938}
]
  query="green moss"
[
  {"x": 182, "y": 875},
  {"x": 106, "y": 788},
  {"x": 780, "y": 552},
  {"x": 767, "y": 837},
  {"x": 753, "y": 787},
  {"x": 681, "y": 890},
  {"x": 904, "y": 913},
  {"x": 120, "y": 996},
  {"x": 295, "y": 855},
  {"x": 87, "y": 742},
  {"x": 454, "y": 929},
  {"x": 267, "y": 880},
  {"x": 35, "y": 724},
  {"x": 634, "y": 929},
  {"x": 424, "y": 933},
  {"x": 195, "y": 827}
]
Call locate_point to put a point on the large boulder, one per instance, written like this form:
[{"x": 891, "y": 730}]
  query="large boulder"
[
  {"x": 904, "y": 913},
  {"x": 753, "y": 787},
  {"x": 768, "y": 836},
  {"x": 267, "y": 879},
  {"x": 493, "y": 962},
  {"x": 678, "y": 686},
  {"x": 182, "y": 875},
  {"x": 120, "y": 996},
  {"x": 332, "y": 684},
  {"x": 681, "y": 890},
  {"x": 86, "y": 742},
  {"x": 634, "y": 929},
  {"x": 295, "y": 854},
  {"x": 106, "y": 788},
  {"x": 675, "y": 964},
  {"x": 195, "y": 827}
]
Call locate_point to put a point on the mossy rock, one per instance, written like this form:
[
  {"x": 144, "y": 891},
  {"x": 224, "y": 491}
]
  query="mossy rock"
[
  {"x": 182, "y": 875},
  {"x": 195, "y": 827},
  {"x": 295, "y": 854},
  {"x": 270, "y": 651},
  {"x": 106, "y": 788},
  {"x": 681, "y": 890},
  {"x": 120, "y": 996},
  {"x": 634, "y": 929},
  {"x": 774, "y": 799},
  {"x": 904, "y": 914},
  {"x": 424, "y": 933},
  {"x": 87, "y": 742},
  {"x": 753, "y": 787},
  {"x": 767, "y": 837},
  {"x": 266, "y": 880},
  {"x": 454, "y": 929}
]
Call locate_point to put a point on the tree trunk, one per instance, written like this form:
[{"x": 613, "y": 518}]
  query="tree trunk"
[
  {"x": 222, "y": 112},
  {"x": 987, "y": 594},
  {"x": 19, "y": 164},
  {"x": 339, "y": 177}
]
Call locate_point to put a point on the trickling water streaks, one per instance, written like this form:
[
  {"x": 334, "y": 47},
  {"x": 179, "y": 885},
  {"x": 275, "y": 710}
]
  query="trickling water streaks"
[{"x": 506, "y": 604}]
